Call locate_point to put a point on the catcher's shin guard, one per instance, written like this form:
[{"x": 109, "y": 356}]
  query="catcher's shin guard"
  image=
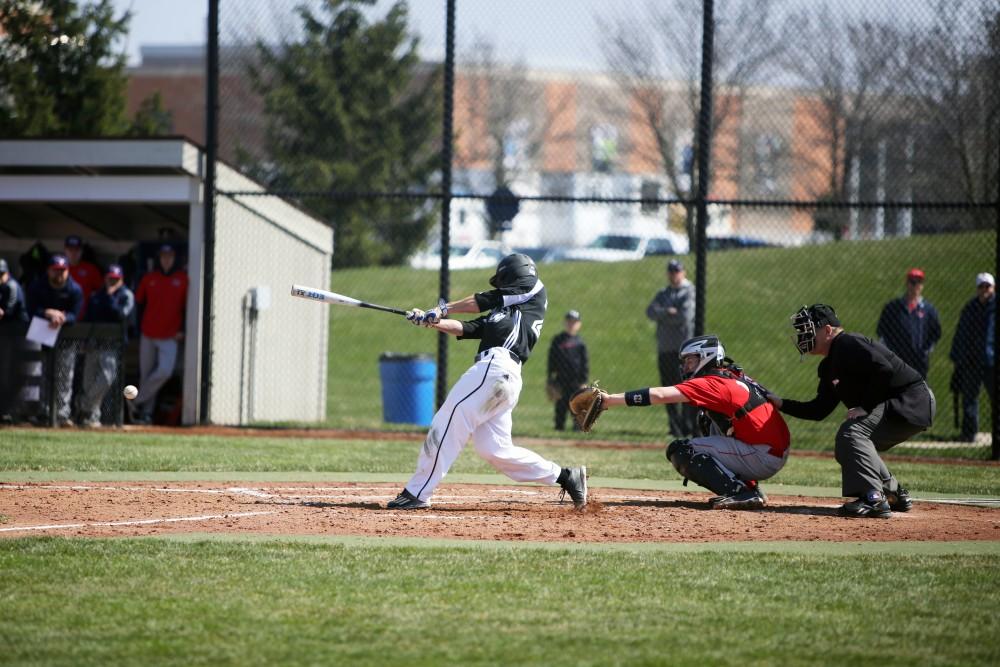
[{"x": 702, "y": 469}]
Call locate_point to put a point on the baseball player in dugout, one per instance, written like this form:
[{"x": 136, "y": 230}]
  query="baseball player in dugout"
[
  {"x": 481, "y": 402},
  {"x": 742, "y": 438},
  {"x": 887, "y": 403}
]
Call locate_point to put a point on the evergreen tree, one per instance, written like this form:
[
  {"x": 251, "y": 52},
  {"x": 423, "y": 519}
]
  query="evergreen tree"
[
  {"x": 62, "y": 71},
  {"x": 350, "y": 109}
]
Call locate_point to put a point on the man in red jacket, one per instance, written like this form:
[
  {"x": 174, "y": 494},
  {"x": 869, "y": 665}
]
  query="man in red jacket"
[
  {"x": 163, "y": 293},
  {"x": 86, "y": 274},
  {"x": 743, "y": 437}
]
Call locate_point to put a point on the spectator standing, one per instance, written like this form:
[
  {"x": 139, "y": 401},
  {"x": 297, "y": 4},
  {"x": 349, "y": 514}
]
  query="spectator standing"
[
  {"x": 113, "y": 303},
  {"x": 968, "y": 352},
  {"x": 86, "y": 274},
  {"x": 909, "y": 325},
  {"x": 12, "y": 314},
  {"x": 569, "y": 366},
  {"x": 57, "y": 298},
  {"x": 163, "y": 295},
  {"x": 673, "y": 311}
]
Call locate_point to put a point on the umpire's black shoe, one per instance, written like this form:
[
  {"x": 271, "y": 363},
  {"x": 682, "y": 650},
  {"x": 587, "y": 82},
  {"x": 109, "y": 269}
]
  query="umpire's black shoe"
[
  {"x": 407, "y": 501},
  {"x": 899, "y": 501},
  {"x": 574, "y": 482},
  {"x": 872, "y": 505}
]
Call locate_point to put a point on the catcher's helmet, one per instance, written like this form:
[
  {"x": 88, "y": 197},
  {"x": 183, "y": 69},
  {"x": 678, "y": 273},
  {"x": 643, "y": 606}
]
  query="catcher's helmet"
[
  {"x": 806, "y": 319},
  {"x": 511, "y": 269},
  {"x": 710, "y": 354}
]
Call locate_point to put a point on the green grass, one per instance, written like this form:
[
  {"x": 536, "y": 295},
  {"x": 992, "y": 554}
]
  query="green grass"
[
  {"x": 86, "y": 602},
  {"x": 57, "y": 451},
  {"x": 750, "y": 296}
]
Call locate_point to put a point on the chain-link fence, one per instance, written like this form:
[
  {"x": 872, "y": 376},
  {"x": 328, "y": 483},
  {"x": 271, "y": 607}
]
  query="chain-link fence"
[
  {"x": 850, "y": 157},
  {"x": 78, "y": 381}
]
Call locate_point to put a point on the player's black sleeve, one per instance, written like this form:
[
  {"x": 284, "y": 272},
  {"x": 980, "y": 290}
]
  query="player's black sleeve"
[
  {"x": 473, "y": 328},
  {"x": 819, "y": 407}
]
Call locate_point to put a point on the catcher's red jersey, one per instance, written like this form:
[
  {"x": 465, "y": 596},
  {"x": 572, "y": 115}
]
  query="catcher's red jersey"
[{"x": 763, "y": 426}]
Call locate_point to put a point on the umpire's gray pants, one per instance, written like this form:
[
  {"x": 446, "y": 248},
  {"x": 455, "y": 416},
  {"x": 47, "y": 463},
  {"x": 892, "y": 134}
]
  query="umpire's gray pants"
[
  {"x": 100, "y": 367},
  {"x": 858, "y": 443}
]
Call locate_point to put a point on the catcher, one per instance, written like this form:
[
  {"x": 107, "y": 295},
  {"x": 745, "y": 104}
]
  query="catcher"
[{"x": 743, "y": 438}]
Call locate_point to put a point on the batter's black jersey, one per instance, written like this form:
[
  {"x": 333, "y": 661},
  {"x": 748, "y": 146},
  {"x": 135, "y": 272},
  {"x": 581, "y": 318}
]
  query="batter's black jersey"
[{"x": 514, "y": 321}]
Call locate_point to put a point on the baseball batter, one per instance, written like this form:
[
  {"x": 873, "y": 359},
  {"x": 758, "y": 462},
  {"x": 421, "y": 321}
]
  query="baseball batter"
[{"x": 480, "y": 404}]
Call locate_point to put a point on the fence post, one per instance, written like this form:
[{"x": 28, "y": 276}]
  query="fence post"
[
  {"x": 446, "y": 156},
  {"x": 704, "y": 162},
  {"x": 994, "y": 404},
  {"x": 208, "y": 192}
]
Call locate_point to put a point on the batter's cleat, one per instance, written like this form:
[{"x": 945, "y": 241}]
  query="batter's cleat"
[
  {"x": 750, "y": 499},
  {"x": 575, "y": 484},
  {"x": 870, "y": 506},
  {"x": 407, "y": 501},
  {"x": 899, "y": 501}
]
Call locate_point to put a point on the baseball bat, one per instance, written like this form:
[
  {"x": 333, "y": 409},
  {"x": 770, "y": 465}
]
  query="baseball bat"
[{"x": 325, "y": 296}]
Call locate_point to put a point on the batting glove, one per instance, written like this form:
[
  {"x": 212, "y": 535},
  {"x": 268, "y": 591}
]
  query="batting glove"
[
  {"x": 415, "y": 316},
  {"x": 434, "y": 315}
]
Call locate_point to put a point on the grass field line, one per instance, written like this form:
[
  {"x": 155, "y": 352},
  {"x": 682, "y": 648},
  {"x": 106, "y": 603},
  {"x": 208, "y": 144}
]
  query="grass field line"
[
  {"x": 912, "y": 548},
  {"x": 131, "y": 522},
  {"x": 390, "y": 478}
]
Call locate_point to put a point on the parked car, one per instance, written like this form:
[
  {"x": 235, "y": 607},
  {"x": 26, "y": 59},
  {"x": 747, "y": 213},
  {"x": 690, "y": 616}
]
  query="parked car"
[
  {"x": 627, "y": 247},
  {"x": 480, "y": 255},
  {"x": 542, "y": 254},
  {"x": 730, "y": 242}
]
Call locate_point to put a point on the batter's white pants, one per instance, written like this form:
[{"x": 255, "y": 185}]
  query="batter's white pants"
[{"x": 479, "y": 405}]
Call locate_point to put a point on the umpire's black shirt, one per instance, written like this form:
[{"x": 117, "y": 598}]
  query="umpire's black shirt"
[{"x": 862, "y": 373}]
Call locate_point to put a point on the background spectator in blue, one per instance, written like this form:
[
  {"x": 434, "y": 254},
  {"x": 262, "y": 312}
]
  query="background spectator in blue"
[
  {"x": 12, "y": 318},
  {"x": 113, "y": 303},
  {"x": 968, "y": 352},
  {"x": 57, "y": 298},
  {"x": 909, "y": 325}
]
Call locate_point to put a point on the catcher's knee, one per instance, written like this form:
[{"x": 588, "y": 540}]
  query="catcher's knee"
[{"x": 679, "y": 453}]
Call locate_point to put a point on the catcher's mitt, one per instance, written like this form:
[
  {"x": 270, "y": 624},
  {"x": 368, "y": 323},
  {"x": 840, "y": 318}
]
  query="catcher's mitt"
[{"x": 586, "y": 405}]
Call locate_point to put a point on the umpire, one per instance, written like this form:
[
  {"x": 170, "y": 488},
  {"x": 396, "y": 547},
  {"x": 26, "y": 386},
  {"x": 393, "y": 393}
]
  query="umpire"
[
  {"x": 568, "y": 367},
  {"x": 888, "y": 402}
]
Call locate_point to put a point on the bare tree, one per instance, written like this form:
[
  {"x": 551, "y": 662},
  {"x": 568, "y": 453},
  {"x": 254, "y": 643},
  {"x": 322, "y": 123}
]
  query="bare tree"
[
  {"x": 507, "y": 116},
  {"x": 953, "y": 83},
  {"x": 655, "y": 59},
  {"x": 849, "y": 68}
]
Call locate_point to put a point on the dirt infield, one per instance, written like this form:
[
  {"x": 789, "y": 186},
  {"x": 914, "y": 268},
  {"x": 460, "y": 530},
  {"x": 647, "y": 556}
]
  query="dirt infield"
[{"x": 515, "y": 513}]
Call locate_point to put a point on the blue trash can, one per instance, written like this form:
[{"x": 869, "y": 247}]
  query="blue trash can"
[{"x": 408, "y": 382}]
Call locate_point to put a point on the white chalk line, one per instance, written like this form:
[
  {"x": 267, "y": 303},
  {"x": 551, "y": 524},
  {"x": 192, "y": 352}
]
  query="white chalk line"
[{"x": 133, "y": 522}]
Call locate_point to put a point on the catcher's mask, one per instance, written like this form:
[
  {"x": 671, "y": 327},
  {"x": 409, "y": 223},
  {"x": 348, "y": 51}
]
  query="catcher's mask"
[
  {"x": 806, "y": 319},
  {"x": 511, "y": 269},
  {"x": 709, "y": 353}
]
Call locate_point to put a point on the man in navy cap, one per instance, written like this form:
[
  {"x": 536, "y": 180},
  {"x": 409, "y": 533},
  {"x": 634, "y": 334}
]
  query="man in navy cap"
[
  {"x": 12, "y": 313},
  {"x": 569, "y": 366},
  {"x": 57, "y": 298},
  {"x": 113, "y": 303},
  {"x": 86, "y": 274},
  {"x": 673, "y": 311}
]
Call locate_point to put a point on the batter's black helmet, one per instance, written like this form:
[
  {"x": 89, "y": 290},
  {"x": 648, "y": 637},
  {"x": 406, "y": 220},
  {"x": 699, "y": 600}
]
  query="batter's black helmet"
[{"x": 511, "y": 269}]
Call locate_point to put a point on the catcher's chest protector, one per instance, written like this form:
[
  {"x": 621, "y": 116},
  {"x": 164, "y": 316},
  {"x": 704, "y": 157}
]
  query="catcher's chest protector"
[{"x": 756, "y": 399}]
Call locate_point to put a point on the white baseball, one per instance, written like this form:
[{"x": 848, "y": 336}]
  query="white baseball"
[{"x": 130, "y": 392}]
